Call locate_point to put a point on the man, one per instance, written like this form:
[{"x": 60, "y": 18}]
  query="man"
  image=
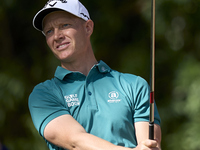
[{"x": 87, "y": 105}]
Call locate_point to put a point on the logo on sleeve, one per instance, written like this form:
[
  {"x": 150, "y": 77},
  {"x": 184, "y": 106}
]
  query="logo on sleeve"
[
  {"x": 113, "y": 97},
  {"x": 72, "y": 100}
]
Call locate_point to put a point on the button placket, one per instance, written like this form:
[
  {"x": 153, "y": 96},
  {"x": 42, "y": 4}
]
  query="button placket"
[
  {"x": 90, "y": 89},
  {"x": 89, "y": 92}
]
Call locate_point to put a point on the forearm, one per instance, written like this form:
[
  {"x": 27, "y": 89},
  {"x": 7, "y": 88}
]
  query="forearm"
[
  {"x": 66, "y": 132},
  {"x": 85, "y": 141},
  {"x": 142, "y": 133}
]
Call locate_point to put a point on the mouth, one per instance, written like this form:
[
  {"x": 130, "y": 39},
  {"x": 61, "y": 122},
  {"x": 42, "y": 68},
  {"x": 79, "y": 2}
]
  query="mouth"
[{"x": 62, "y": 46}]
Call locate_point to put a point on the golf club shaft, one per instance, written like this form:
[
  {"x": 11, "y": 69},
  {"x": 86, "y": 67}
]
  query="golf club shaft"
[{"x": 152, "y": 80}]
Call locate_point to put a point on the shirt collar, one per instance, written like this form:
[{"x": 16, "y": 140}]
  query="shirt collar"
[
  {"x": 103, "y": 67},
  {"x": 62, "y": 72}
]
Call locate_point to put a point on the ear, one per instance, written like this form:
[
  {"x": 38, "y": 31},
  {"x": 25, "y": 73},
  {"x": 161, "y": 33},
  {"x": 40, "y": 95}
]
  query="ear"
[{"x": 89, "y": 26}]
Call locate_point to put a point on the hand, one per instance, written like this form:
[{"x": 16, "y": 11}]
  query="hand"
[{"x": 148, "y": 145}]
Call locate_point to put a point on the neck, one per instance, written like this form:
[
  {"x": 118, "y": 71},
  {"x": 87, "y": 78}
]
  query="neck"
[
  {"x": 83, "y": 64},
  {"x": 79, "y": 67}
]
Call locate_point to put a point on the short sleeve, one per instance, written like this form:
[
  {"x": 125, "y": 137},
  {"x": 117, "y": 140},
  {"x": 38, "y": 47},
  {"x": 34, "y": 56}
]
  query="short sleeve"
[
  {"x": 45, "y": 104},
  {"x": 141, "y": 102}
]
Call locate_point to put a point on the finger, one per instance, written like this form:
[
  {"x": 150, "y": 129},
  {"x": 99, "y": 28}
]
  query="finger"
[{"x": 151, "y": 143}]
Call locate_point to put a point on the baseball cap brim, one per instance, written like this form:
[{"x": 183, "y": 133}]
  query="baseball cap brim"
[{"x": 38, "y": 19}]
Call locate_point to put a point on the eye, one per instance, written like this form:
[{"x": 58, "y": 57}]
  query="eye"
[
  {"x": 65, "y": 26},
  {"x": 48, "y": 32}
]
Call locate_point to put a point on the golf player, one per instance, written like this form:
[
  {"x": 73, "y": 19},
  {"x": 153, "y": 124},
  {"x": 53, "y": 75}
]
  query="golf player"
[{"x": 87, "y": 105}]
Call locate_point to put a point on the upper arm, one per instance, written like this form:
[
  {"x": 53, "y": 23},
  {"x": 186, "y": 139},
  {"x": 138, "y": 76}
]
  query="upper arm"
[
  {"x": 141, "y": 105},
  {"x": 45, "y": 104},
  {"x": 63, "y": 131},
  {"x": 142, "y": 110},
  {"x": 142, "y": 131}
]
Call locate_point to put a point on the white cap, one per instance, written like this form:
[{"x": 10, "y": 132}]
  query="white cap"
[{"x": 72, "y": 6}]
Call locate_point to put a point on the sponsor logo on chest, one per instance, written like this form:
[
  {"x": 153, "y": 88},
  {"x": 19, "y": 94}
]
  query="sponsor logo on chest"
[
  {"x": 72, "y": 100},
  {"x": 113, "y": 97}
]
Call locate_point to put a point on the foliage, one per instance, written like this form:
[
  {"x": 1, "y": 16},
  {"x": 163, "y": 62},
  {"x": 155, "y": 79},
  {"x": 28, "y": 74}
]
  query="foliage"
[{"x": 122, "y": 39}]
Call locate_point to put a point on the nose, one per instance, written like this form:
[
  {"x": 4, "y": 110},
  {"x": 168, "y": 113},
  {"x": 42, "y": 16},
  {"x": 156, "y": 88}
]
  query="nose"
[{"x": 58, "y": 35}]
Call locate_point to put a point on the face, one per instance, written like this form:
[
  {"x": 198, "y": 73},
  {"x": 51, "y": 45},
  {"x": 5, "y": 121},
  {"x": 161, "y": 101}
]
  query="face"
[{"x": 66, "y": 35}]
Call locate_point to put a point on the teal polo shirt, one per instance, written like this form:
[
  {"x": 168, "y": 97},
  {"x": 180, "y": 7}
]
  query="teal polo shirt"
[{"x": 106, "y": 103}]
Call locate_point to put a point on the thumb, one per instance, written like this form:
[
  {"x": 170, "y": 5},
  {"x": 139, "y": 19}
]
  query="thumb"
[{"x": 150, "y": 143}]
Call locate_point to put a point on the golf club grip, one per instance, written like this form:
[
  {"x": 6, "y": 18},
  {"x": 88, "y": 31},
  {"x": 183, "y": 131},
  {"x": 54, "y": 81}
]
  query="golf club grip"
[{"x": 151, "y": 130}]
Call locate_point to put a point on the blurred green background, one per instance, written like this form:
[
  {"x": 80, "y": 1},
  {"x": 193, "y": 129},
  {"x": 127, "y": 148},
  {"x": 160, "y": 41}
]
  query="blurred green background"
[{"x": 122, "y": 39}]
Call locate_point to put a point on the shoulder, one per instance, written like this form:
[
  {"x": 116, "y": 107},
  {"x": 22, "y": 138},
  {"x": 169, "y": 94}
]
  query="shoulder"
[
  {"x": 127, "y": 78},
  {"x": 46, "y": 86},
  {"x": 49, "y": 85},
  {"x": 45, "y": 90}
]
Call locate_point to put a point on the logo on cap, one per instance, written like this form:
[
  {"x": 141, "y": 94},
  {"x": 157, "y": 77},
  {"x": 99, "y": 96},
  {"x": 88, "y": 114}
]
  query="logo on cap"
[
  {"x": 85, "y": 15},
  {"x": 48, "y": 3}
]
